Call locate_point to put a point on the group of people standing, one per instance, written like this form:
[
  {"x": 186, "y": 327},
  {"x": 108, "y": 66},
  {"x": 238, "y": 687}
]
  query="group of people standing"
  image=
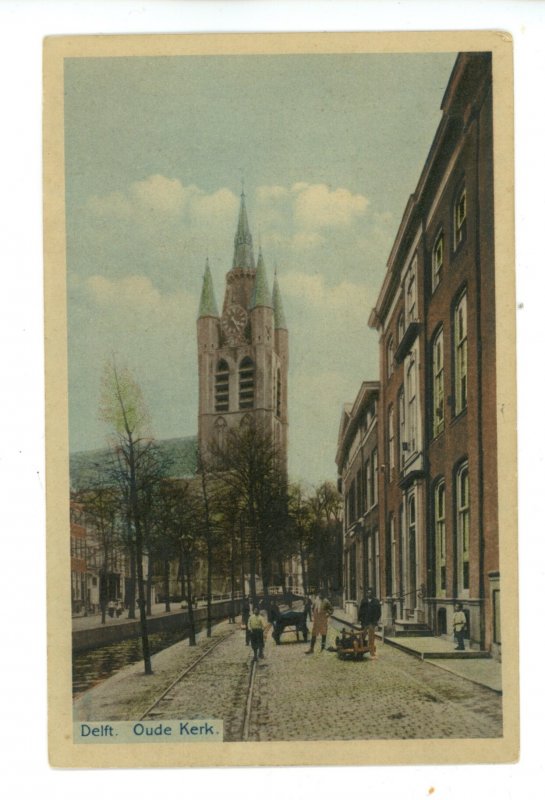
[{"x": 318, "y": 612}]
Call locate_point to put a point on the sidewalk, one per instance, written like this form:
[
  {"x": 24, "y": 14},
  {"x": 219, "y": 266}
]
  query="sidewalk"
[{"x": 473, "y": 665}]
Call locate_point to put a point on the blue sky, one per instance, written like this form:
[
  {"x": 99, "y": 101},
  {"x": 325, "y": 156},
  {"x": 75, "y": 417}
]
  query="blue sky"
[{"x": 330, "y": 147}]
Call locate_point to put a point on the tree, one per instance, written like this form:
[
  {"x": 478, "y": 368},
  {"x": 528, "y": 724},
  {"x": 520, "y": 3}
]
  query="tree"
[
  {"x": 180, "y": 517},
  {"x": 247, "y": 464},
  {"x": 123, "y": 408},
  {"x": 325, "y": 541},
  {"x": 300, "y": 512}
]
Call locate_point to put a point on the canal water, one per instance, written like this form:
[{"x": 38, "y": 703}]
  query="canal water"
[{"x": 94, "y": 666}]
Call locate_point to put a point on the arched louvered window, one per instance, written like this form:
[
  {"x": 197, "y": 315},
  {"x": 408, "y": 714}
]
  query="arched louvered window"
[
  {"x": 246, "y": 377},
  {"x": 221, "y": 396},
  {"x": 278, "y": 393}
]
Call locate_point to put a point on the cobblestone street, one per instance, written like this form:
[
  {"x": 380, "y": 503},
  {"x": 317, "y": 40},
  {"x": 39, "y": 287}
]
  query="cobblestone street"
[
  {"x": 318, "y": 696},
  {"x": 301, "y": 697}
]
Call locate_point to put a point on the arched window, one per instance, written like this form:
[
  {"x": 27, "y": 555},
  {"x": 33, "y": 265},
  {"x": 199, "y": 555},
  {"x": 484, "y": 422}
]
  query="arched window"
[
  {"x": 462, "y": 526},
  {"x": 438, "y": 385},
  {"x": 246, "y": 383},
  {"x": 221, "y": 396},
  {"x": 460, "y": 354},
  {"x": 220, "y": 429},
  {"x": 278, "y": 393},
  {"x": 440, "y": 539}
]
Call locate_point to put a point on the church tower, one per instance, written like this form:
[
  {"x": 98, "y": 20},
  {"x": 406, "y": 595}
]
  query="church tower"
[{"x": 243, "y": 354}]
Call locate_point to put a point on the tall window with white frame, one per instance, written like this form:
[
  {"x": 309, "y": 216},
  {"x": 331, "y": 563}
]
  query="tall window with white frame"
[
  {"x": 460, "y": 216},
  {"x": 374, "y": 470},
  {"x": 401, "y": 426},
  {"x": 440, "y": 539},
  {"x": 370, "y": 560},
  {"x": 400, "y": 326},
  {"x": 410, "y": 293},
  {"x": 437, "y": 260},
  {"x": 462, "y": 527},
  {"x": 460, "y": 355},
  {"x": 411, "y": 406},
  {"x": 391, "y": 444},
  {"x": 390, "y": 357},
  {"x": 368, "y": 489},
  {"x": 411, "y": 551},
  {"x": 376, "y": 548},
  {"x": 438, "y": 384},
  {"x": 393, "y": 555}
]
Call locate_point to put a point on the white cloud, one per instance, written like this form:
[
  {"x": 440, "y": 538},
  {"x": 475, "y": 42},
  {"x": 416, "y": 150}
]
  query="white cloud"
[
  {"x": 136, "y": 295},
  {"x": 313, "y": 206},
  {"x": 317, "y": 206},
  {"x": 168, "y": 198},
  {"x": 343, "y": 296}
]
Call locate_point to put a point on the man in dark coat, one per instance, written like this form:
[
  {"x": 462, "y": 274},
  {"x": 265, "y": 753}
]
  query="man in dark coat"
[{"x": 369, "y": 615}]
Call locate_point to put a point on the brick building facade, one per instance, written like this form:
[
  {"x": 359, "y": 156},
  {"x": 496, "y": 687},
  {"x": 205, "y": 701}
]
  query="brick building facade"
[
  {"x": 358, "y": 468},
  {"x": 435, "y": 315}
]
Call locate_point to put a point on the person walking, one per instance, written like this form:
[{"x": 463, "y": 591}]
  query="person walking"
[
  {"x": 459, "y": 624},
  {"x": 321, "y": 611},
  {"x": 245, "y": 618},
  {"x": 369, "y": 615},
  {"x": 256, "y": 628},
  {"x": 308, "y": 608}
]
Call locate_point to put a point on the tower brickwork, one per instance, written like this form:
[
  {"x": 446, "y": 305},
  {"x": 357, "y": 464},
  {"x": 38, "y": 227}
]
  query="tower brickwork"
[{"x": 243, "y": 353}]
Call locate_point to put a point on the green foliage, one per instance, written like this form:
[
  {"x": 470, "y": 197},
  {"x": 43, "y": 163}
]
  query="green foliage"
[{"x": 121, "y": 404}]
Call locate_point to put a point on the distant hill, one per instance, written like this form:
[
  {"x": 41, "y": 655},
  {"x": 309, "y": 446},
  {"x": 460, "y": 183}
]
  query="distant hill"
[{"x": 180, "y": 454}]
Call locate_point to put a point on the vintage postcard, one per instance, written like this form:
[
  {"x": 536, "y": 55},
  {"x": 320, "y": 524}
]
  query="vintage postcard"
[{"x": 280, "y": 375}]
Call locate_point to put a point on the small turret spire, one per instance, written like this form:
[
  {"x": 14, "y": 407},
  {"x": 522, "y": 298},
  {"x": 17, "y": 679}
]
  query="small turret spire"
[
  {"x": 279, "y": 316},
  {"x": 261, "y": 295},
  {"x": 243, "y": 257},
  {"x": 208, "y": 306}
]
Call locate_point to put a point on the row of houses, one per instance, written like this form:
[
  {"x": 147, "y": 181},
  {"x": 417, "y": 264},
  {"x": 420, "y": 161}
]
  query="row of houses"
[{"x": 417, "y": 454}]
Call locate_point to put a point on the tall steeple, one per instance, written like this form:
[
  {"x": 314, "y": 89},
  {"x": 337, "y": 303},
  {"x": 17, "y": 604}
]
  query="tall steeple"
[
  {"x": 243, "y": 257},
  {"x": 208, "y": 306},
  {"x": 278, "y": 308},
  {"x": 261, "y": 295}
]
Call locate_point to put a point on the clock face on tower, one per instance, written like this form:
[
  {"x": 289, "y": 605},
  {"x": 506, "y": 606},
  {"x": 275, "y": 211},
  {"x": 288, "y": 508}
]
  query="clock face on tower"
[{"x": 233, "y": 323}]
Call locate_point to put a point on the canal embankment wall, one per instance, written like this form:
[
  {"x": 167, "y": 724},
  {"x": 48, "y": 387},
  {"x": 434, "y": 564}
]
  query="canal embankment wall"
[{"x": 102, "y": 635}]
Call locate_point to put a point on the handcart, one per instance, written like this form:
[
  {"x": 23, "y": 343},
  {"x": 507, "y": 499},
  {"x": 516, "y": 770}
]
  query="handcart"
[{"x": 352, "y": 645}]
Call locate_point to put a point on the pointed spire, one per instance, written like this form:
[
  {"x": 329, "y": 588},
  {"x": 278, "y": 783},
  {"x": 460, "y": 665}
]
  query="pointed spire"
[
  {"x": 243, "y": 257},
  {"x": 279, "y": 317},
  {"x": 261, "y": 295},
  {"x": 208, "y": 306}
]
